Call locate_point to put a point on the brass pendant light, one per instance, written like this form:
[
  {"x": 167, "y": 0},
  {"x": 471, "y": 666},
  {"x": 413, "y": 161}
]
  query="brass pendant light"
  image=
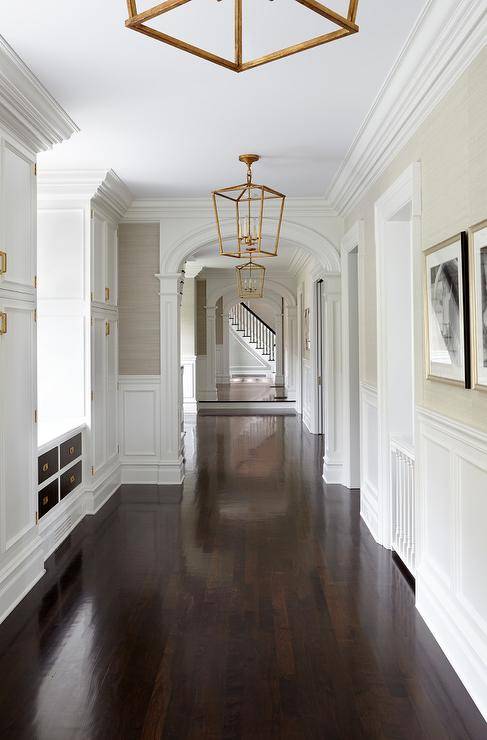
[
  {"x": 250, "y": 280},
  {"x": 342, "y": 26},
  {"x": 252, "y": 207}
]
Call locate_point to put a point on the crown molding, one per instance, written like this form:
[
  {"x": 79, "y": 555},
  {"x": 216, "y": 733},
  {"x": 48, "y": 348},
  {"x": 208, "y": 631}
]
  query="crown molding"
[
  {"x": 445, "y": 39},
  {"x": 156, "y": 209},
  {"x": 27, "y": 111},
  {"x": 104, "y": 188}
]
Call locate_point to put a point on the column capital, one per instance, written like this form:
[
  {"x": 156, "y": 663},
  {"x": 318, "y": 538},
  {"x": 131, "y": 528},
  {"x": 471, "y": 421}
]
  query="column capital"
[{"x": 171, "y": 283}]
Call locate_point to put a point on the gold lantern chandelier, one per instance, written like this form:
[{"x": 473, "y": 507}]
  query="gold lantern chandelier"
[
  {"x": 252, "y": 208},
  {"x": 342, "y": 26},
  {"x": 250, "y": 280}
]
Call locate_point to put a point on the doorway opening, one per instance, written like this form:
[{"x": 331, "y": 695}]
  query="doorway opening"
[{"x": 397, "y": 221}]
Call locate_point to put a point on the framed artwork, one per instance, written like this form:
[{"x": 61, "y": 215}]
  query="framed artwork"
[
  {"x": 478, "y": 303},
  {"x": 447, "y": 330}
]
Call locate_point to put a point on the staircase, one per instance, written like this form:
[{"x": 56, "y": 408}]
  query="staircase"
[{"x": 257, "y": 334}]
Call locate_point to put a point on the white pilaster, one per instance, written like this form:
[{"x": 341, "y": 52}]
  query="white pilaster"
[
  {"x": 333, "y": 460},
  {"x": 225, "y": 356},
  {"x": 171, "y": 469},
  {"x": 279, "y": 376},
  {"x": 209, "y": 393},
  {"x": 290, "y": 350}
]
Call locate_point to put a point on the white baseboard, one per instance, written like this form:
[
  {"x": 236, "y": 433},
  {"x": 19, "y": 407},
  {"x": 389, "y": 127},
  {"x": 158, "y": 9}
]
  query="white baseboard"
[
  {"x": 277, "y": 408},
  {"x": 333, "y": 472},
  {"x": 20, "y": 576},
  {"x": 103, "y": 489},
  {"x": 154, "y": 473},
  {"x": 368, "y": 510}
]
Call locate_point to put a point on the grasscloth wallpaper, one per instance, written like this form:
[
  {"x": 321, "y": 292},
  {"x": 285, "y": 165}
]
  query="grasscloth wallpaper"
[
  {"x": 452, "y": 148},
  {"x": 139, "y": 309}
]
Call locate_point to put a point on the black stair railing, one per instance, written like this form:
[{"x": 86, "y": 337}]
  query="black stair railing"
[{"x": 254, "y": 329}]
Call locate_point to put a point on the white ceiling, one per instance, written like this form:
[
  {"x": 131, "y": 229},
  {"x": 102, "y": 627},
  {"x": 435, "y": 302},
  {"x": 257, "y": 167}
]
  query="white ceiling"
[{"x": 171, "y": 125}]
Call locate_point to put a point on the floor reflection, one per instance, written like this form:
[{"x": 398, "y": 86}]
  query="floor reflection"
[{"x": 249, "y": 603}]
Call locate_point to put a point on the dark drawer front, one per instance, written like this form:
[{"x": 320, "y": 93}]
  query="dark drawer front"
[
  {"x": 47, "y": 465},
  {"x": 48, "y": 497},
  {"x": 71, "y": 478},
  {"x": 70, "y": 450}
]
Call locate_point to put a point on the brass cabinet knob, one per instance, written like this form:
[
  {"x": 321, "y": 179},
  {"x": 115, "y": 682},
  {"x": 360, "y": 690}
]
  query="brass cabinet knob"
[
  {"x": 3, "y": 323},
  {"x": 45, "y": 467},
  {"x": 3, "y": 263},
  {"x": 71, "y": 450},
  {"x": 45, "y": 500},
  {"x": 72, "y": 479}
]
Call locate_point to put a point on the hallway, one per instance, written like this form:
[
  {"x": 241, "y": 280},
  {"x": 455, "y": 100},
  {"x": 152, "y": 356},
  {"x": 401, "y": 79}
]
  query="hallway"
[{"x": 255, "y": 606}]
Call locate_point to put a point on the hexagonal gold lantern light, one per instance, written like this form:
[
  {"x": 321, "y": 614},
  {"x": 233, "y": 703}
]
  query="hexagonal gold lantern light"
[
  {"x": 344, "y": 27},
  {"x": 250, "y": 280},
  {"x": 256, "y": 213}
]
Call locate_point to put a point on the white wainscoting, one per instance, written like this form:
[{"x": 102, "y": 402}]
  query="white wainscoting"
[
  {"x": 140, "y": 432},
  {"x": 369, "y": 495},
  {"x": 189, "y": 384},
  {"x": 451, "y": 586},
  {"x": 307, "y": 399}
]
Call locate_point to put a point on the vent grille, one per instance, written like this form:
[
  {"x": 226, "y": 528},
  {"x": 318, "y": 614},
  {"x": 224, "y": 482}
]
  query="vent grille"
[{"x": 63, "y": 529}]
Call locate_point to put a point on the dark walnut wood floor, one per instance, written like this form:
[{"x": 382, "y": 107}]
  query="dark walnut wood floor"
[
  {"x": 250, "y": 389},
  {"x": 255, "y": 605}
]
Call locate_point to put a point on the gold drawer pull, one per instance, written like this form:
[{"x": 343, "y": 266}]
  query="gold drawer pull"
[
  {"x": 72, "y": 479},
  {"x": 3, "y": 323},
  {"x": 3, "y": 263},
  {"x": 107, "y": 328},
  {"x": 71, "y": 450},
  {"x": 45, "y": 467},
  {"x": 45, "y": 500},
  {"x": 107, "y": 294}
]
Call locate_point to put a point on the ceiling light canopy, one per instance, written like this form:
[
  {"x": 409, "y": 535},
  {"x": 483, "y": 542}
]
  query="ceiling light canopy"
[
  {"x": 250, "y": 280},
  {"x": 342, "y": 26},
  {"x": 254, "y": 213}
]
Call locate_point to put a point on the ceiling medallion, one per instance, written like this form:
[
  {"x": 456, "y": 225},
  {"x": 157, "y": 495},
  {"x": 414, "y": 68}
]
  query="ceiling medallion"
[
  {"x": 345, "y": 26},
  {"x": 250, "y": 280},
  {"x": 251, "y": 207}
]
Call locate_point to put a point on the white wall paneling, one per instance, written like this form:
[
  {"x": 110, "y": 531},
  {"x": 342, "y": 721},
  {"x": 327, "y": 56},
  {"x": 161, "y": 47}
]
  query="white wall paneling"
[
  {"x": 369, "y": 485},
  {"x": 451, "y": 589},
  {"x": 398, "y": 241},
  {"x": 104, "y": 357},
  {"x": 140, "y": 428},
  {"x": 189, "y": 384}
]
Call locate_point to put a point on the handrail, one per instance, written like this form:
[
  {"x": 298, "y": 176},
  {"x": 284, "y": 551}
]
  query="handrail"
[{"x": 258, "y": 318}]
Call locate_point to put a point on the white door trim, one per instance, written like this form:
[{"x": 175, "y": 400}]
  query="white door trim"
[{"x": 405, "y": 190}]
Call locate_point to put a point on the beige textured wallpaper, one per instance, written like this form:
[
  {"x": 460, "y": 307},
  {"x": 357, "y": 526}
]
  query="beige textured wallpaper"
[
  {"x": 139, "y": 309},
  {"x": 452, "y": 148}
]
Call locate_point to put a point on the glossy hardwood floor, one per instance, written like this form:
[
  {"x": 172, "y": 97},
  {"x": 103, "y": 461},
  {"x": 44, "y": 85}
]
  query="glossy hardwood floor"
[
  {"x": 254, "y": 605},
  {"x": 250, "y": 389}
]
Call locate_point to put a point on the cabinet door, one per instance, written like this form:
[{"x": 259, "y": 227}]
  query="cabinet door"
[
  {"x": 111, "y": 296},
  {"x": 17, "y": 219},
  {"x": 98, "y": 258},
  {"x": 17, "y": 427},
  {"x": 99, "y": 402}
]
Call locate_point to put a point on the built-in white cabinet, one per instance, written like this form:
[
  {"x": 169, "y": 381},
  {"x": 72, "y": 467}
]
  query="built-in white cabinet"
[
  {"x": 17, "y": 420},
  {"x": 104, "y": 420},
  {"x": 104, "y": 242},
  {"x": 17, "y": 219}
]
